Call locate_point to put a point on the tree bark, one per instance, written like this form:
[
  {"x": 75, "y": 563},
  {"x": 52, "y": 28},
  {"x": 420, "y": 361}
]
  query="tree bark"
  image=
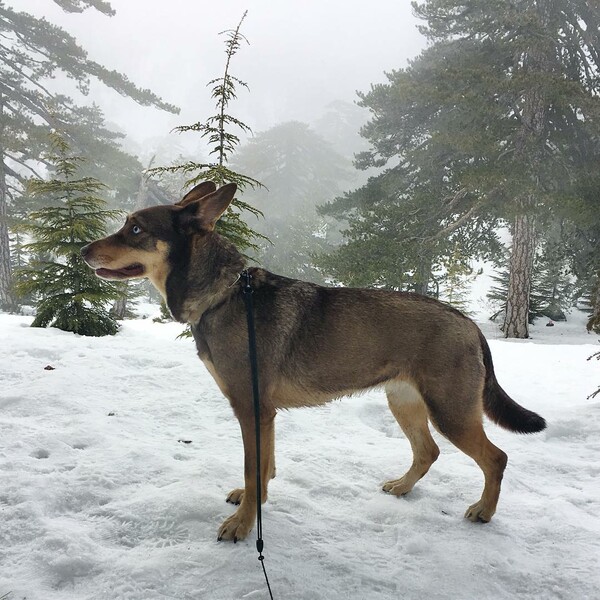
[
  {"x": 594, "y": 321},
  {"x": 141, "y": 200},
  {"x": 516, "y": 321},
  {"x": 422, "y": 276},
  {"x": 529, "y": 149},
  {"x": 119, "y": 307},
  {"x": 7, "y": 299}
]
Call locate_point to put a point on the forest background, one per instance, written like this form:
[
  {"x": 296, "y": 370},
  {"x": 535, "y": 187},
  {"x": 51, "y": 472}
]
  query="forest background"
[{"x": 480, "y": 149}]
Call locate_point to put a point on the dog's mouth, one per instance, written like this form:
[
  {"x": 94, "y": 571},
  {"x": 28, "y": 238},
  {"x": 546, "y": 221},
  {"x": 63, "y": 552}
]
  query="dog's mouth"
[{"x": 134, "y": 270}]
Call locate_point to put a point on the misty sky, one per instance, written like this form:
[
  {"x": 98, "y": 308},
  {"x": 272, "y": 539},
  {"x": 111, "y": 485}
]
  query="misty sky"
[{"x": 302, "y": 54}]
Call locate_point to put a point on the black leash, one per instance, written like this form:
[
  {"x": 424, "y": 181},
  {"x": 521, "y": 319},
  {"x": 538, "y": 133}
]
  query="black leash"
[{"x": 247, "y": 292}]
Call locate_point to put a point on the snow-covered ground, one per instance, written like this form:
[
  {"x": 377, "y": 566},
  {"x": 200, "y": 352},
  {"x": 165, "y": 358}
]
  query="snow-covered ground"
[{"x": 100, "y": 499}]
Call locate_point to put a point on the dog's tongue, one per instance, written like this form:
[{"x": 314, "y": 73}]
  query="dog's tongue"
[{"x": 130, "y": 271}]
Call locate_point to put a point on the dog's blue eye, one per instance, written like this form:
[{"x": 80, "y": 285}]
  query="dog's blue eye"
[{"x": 136, "y": 229}]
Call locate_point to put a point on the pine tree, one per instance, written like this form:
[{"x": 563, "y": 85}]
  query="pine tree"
[
  {"x": 553, "y": 284},
  {"x": 87, "y": 133},
  {"x": 401, "y": 229},
  {"x": 543, "y": 60},
  {"x": 552, "y": 289},
  {"x": 454, "y": 282},
  {"x": 582, "y": 243},
  {"x": 540, "y": 299},
  {"x": 340, "y": 125},
  {"x": 32, "y": 52},
  {"x": 219, "y": 130},
  {"x": 492, "y": 124},
  {"x": 69, "y": 295}
]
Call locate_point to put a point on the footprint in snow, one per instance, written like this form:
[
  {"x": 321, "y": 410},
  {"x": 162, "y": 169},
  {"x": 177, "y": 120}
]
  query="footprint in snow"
[
  {"x": 130, "y": 533},
  {"x": 181, "y": 457},
  {"x": 379, "y": 418},
  {"x": 40, "y": 454}
]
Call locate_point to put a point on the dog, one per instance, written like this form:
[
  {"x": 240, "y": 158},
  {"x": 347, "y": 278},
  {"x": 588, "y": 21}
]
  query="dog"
[{"x": 315, "y": 344}]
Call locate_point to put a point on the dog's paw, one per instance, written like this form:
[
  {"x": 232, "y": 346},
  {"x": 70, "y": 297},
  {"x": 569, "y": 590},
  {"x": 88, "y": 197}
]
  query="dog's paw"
[
  {"x": 235, "y": 496},
  {"x": 478, "y": 512},
  {"x": 236, "y": 527},
  {"x": 398, "y": 487}
]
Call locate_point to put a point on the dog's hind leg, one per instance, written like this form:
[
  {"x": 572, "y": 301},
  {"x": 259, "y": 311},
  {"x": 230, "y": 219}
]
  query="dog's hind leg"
[
  {"x": 238, "y": 525},
  {"x": 455, "y": 409},
  {"x": 492, "y": 461},
  {"x": 410, "y": 411}
]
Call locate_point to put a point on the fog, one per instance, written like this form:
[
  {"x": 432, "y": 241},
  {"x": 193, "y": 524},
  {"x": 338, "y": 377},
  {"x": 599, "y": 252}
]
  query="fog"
[
  {"x": 304, "y": 63},
  {"x": 301, "y": 55}
]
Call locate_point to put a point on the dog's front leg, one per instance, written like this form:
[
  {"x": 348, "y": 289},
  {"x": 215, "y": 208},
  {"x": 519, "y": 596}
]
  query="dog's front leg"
[
  {"x": 236, "y": 495},
  {"x": 238, "y": 525}
]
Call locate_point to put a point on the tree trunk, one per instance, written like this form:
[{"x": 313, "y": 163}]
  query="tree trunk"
[
  {"x": 422, "y": 276},
  {"x": 6, "y": 295},
  {"x": 119, "y": 308},
  {"x": 594, "y": 321},
  {"x": 141, "y": 200},
  {"x": 516, "y": 321},
  {"x": 7, "y": 300},
  {"x": 529, "y": 148}
]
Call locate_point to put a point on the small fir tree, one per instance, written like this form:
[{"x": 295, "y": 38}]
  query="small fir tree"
[
  {"x": 498, "y": 294},
  {"x": 551, "y": 292},
  {"x": 69, "y": 295},
  {"x": 456, "y": 280},
  {"x": 165, "y": 315},
  {"x": 219, "y": 130}
]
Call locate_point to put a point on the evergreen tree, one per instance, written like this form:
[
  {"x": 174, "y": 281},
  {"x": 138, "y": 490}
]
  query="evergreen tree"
[
  {"x": 399, "y": 234},
  {"x": 89, "y": 136},
  {"x": 593, "y": 323},
  {"x": 552, "y": 286},
  {"x": 497, "y": 117},
  {"x": 551, "y": 293},
  {"x": 219, "y": 131},
  {"x": 32, "y": 52},
  {"x": 455, "y": 281},
  {"x": 69, "y": 295},
  {"x": 582, "y": 243},
  {"x": 542, "y": 77}
]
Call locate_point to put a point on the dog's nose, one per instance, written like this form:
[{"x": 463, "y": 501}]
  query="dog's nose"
[{"x": 85, "y": 250}]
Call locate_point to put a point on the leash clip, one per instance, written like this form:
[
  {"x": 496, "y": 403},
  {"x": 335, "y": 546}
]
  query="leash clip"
[{"x": 245, "y": 275}]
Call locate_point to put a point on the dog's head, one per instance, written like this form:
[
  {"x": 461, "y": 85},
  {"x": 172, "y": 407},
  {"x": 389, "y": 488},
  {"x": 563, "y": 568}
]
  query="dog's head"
[{"x": 141, "y": 248}]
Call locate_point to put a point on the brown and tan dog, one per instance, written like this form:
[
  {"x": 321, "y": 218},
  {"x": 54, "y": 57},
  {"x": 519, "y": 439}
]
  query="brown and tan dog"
[{"x": 315, "y": 344}]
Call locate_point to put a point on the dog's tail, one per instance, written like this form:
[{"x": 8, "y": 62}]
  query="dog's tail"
[{"x": 500, "y": 407}]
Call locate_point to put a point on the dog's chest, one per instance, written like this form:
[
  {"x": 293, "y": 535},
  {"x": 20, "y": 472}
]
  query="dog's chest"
[
  {"x": 206, "y": 357},
  {"x": 201, "y": 344}
]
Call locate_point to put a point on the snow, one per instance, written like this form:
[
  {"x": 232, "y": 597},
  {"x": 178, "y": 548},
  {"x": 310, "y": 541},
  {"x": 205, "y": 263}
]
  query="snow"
[{"x": 101, "y": 498}]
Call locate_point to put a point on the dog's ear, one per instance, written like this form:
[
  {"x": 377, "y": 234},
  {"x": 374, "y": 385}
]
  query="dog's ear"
[
  {"x": 202, "y": 214},
  {"x": 197, "y": 192}
]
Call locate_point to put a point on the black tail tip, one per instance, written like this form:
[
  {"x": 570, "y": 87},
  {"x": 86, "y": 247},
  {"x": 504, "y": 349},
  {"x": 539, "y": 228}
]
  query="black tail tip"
[{"x": 532, "y": 424}]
